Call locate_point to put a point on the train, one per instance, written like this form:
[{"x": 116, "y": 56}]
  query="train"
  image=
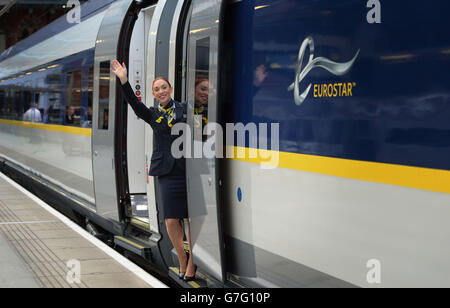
[{"x": 334, "y": 118}]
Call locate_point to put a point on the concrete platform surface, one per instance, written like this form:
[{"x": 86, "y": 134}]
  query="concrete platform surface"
[{"x": 39, "y": 250}]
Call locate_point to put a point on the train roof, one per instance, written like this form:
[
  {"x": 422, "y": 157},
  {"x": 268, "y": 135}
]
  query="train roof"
[{"x": 61, "y": 24}]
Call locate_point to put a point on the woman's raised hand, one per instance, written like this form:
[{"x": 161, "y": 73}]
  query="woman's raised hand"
[{"x": 120, "y": 71}]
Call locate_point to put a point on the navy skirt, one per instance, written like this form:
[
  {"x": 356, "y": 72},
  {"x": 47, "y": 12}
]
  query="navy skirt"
[{"x": 174, "y": 195}]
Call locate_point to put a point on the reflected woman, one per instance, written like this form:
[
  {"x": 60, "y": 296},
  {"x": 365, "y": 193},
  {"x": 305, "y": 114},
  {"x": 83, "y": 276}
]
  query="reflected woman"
[
  {"x": 201, "y": 107},
  {"x": 171, "y": 172}
]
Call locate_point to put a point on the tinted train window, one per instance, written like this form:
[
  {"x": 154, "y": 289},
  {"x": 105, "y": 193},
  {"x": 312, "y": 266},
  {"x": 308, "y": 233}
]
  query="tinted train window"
[
  {"x": 18, "y": 104},
  {"x": 37, "y": 98},
  {"x": 73, "y": 98},
  {"x": 41, "y": 99},
  {"x": 103, "y": 102},
  {"x": 53, "y": 82},
  {"x": 31, "y": 111},
  {"x": 202, "y": 87},
  {"x": 2, "y": 103},
  {"x": 27, "y": 102},
  {"x": 8, "y": 114}
]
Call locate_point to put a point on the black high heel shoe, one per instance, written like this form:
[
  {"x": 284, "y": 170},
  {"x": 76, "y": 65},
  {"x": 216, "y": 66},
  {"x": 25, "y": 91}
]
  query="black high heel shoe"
[
  {"x": 190, "y": 278},
  {"x": 181, "y": 274}
]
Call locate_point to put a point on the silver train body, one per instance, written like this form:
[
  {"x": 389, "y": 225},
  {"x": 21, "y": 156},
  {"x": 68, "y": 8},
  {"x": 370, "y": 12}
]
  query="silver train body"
[{"x": 285, "y": 226}]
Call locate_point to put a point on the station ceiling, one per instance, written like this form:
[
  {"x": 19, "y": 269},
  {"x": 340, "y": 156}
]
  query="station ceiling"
[
  {"x": 21, "y": 18},
  {"x": 35, "y": 2}
]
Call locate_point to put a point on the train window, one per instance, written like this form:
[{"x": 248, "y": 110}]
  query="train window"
[
  {"x": 28, "y": 105},
  {"x": 2, "y": 103},
  {"x": 31, "y": 111},
  {"x": 41, "y": 99},
  {"x": 73, "y": 98},
  {"x": 18, "y": 104},
  {"x": 103, "y": 102},
  {"x": 54, "y": 110},
  {"x": 8, "y": 104},
  {"x": 38, "y": 97},
  {"x": 202, "y": 87},
  {"x": 53, "y": 82}
]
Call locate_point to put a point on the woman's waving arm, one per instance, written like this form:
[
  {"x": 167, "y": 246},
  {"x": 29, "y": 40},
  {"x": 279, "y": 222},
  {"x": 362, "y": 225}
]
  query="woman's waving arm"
[{"x": 139, "y": 108}]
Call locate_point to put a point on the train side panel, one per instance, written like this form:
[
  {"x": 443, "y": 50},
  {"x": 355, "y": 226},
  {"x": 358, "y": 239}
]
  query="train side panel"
[
  {"x": 361, "y": 185},
  {"x": 57, "y": 74}
]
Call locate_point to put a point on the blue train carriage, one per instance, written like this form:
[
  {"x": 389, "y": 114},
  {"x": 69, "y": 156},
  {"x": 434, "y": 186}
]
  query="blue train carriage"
[
  {"x": 361, "y": 95},
  {"x": 349, "y": 187}
]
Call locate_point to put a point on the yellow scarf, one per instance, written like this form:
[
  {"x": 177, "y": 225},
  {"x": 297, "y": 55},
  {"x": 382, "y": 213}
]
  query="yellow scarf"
[
  {"x": 166, "y": 113},
  {"x": 199, "y": 111}
]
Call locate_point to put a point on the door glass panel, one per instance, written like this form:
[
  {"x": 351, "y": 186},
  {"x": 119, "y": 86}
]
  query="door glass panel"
[
  {"x": 202, "y": 203},
  {"x": 88, "y": 120},
  {"x": 103, "y": 103},
  {"x": 201, "y": 88}
]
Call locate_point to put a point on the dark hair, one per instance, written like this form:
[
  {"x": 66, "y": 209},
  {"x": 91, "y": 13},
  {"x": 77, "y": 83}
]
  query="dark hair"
[{"x": 161, "y": 78}]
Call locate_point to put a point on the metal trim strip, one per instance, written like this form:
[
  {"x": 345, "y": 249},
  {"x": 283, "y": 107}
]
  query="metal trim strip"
[{"x": 173, "y": 43}]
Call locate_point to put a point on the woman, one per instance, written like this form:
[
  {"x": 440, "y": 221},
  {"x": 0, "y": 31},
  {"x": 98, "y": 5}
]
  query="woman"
[
  {"x": 171, "y": 172},
  {"x": 201, "y": 99}
]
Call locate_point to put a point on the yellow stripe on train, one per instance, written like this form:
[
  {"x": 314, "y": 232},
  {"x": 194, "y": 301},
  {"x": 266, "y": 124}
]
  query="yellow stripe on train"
[
  {"x": 407, "y": 176},
  {"x": 51, "y": 127}
]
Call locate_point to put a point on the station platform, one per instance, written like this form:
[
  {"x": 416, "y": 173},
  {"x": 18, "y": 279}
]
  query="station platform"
[{"x": 41, "y": 248}]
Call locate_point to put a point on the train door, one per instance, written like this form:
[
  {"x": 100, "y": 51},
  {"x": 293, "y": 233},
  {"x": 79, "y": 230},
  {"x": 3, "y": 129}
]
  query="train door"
[
  {"x": 149, "y": 57},
  {"x": 103, "y": 124},
  {"x": 205, "y": 137},
  {"x": 153, "y": 45},
  {"x": 157, "y": 64},
  {"x": 142, "y": 195}
]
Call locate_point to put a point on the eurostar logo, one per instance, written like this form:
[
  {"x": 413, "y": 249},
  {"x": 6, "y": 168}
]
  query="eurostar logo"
[{"x": 335, "y": 68}]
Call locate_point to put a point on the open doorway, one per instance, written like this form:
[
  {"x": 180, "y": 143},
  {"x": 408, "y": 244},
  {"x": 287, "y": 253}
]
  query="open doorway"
[{"x": 139, "y": 210}]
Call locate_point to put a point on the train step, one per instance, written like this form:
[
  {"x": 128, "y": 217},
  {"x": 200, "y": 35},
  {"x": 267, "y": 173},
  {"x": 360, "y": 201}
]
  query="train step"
[
  {"x": 202, "y": 280},
  {"x": 137, "y": 248},
  {"x": 199, "y": 282}
]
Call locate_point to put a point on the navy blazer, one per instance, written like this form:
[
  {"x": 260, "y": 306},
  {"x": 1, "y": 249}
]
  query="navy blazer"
[{"x": 162, "y": 161}]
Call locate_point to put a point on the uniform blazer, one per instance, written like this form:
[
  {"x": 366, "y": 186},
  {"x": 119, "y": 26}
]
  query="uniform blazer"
[{"x": 162, "y": 161}]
